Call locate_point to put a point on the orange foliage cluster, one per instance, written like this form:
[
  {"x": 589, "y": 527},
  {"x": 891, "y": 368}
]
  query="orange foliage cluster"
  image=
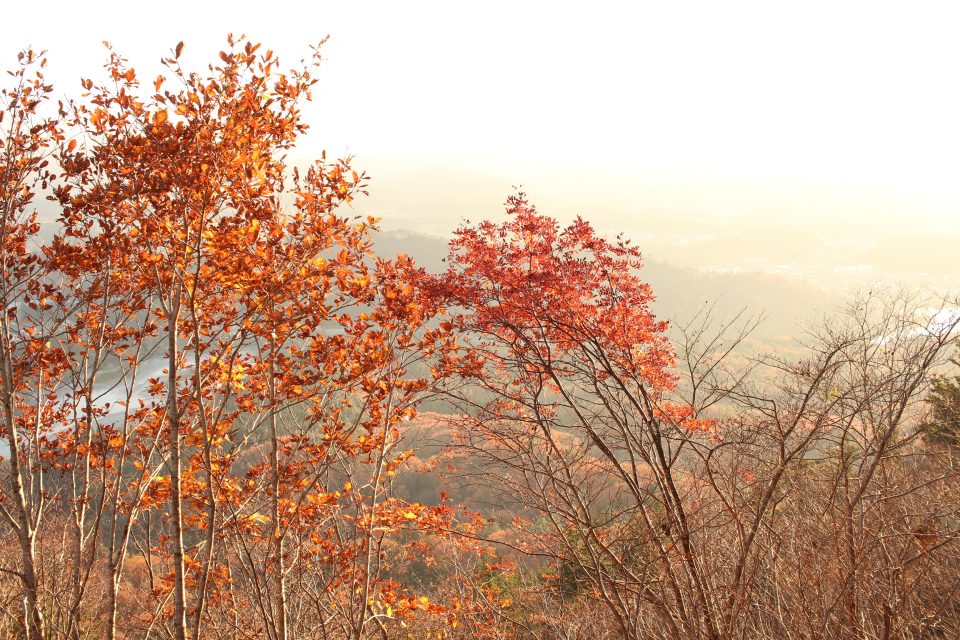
[{"x": 259, "y": 360}]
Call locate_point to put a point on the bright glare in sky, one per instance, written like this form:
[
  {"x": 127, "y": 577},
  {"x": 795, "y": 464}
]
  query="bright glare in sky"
[{"x": 812, "y": 139}]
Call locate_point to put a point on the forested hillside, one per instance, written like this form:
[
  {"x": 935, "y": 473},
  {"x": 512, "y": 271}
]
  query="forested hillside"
[{"x": 231, "y": 408}]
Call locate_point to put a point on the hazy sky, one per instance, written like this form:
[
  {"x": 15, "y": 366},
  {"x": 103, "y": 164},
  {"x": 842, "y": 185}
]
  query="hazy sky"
[{"x": 816, "y": 139}]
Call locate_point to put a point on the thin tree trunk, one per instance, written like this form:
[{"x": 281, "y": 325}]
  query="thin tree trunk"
[
  {"x": 278, "y": 538},
  {"x": 80, "y": 517},
  {"x": 112, "y": 605},
  {"x": 176, "y": 518},
  {"x": 201, "y": 593},
  {"x": 33, "y": 618}
]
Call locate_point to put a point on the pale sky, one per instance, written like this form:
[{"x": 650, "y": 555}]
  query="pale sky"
[{"x": 814, "y": 139}]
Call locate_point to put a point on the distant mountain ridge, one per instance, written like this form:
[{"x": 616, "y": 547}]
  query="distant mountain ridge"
[{"x": 680, "y": 292}]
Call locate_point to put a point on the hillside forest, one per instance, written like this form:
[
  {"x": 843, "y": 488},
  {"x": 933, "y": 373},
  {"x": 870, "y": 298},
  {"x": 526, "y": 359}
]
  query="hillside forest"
[{"x": 226, "y": 414}]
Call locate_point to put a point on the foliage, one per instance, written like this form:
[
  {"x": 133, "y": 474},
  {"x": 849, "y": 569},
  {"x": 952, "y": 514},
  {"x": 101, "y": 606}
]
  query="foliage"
[
  {"x": 943, "y": 425},
  {"x": 211, "y": 393},
  {"x": 217, "y": 366}
]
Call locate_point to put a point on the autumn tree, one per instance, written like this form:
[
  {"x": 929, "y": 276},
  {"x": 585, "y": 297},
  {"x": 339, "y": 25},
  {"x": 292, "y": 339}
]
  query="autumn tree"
[
  {"x": 572, "y": 404},
  {"x": 29, "y": 368},
  {"x": 666, "y": 480},
  {"x": 288, "y": 348}
]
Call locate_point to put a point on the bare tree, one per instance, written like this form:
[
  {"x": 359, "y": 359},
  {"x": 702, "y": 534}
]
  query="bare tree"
[{"x": 744, "y": 497}]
